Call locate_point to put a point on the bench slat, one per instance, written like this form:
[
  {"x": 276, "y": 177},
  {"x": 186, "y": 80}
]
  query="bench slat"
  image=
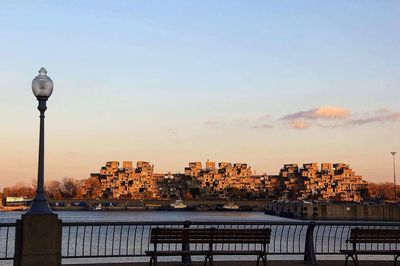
[
  {"x": 360, "y": 235},
  {"x": 208, "y": 235},
  {"x": 371, "y": 252}
]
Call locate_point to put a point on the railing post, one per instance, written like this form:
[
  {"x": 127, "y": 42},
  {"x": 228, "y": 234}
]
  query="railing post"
[
  {"x": 18, "y": 243},
  {"x": 38, "y": 240},
  {"x": 309, "y": 252},
  {"x": 186, "y": 259}
]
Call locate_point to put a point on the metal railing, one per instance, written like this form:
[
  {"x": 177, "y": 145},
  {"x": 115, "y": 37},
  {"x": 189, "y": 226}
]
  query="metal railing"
[
  {"x": 131, "y": 239},
  {"x": 85, "y": 240},
  {"x": 7, "y": 241},
  {"x": 91, "y": 240}
]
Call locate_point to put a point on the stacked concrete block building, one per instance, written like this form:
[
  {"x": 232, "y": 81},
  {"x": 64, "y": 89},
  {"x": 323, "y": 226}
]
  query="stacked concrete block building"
[{"x": 227, "y": 180}]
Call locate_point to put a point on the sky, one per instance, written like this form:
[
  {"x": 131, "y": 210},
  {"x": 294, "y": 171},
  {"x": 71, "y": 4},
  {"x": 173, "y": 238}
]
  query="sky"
[{"x": 261, "y": 82}]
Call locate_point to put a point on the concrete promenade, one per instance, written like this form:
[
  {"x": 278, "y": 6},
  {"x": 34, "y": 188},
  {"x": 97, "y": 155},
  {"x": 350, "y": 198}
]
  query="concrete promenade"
[{"x": 247, "y": 263}]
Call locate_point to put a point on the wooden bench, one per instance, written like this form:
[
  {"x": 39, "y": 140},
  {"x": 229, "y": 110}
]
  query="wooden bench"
[
  {"x": 372, "y": 236},
  {"x": 209, "y": 237}
]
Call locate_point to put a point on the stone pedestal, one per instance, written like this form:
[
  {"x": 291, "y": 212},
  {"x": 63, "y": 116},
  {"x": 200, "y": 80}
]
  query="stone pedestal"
[{"x": 38, "y": 240}]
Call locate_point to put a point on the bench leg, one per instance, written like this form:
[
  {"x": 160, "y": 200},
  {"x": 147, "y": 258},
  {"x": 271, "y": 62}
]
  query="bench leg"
[
  {"x": 353, "y": 257},
  {"x": 210, "y": 260},
  {"x": 153, "y": 260},
  {"x": 263, "y": 258},
  {"x": 396, "y": 257}
]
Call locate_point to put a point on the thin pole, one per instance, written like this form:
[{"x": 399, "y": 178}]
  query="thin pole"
[
  {"x": 40, "y": 180},
  {"x": 39, "y": 204},
  {"x": 394, "y": 175}
]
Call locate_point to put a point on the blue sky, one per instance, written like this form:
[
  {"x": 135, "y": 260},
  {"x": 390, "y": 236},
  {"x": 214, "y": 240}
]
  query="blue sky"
[{"x": 177, "y": 81}]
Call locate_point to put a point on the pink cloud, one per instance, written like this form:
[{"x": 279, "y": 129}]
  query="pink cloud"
[
  {"x": 325, "y": 112},
  {"x": 298, "y": 124}
]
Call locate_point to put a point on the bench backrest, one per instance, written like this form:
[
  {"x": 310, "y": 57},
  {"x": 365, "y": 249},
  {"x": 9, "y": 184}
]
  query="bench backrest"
[
  {"x": 210, "y": 235},
  {"x": 359, "y": 235}
]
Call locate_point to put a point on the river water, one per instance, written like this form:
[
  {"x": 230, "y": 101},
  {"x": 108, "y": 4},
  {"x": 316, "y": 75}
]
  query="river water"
[{"x": 159, "y": 216}]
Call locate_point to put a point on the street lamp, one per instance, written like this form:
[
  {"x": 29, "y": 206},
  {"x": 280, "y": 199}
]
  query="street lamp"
[
  {"x": 42, "y": 87},
  {"x": 394, "y": 174}
]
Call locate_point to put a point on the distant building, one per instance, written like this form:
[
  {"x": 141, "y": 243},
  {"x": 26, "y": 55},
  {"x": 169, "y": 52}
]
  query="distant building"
[
  {"x": 17, "y": 201},
  {"x": 332, "y": 182},
  {"x": 227, "y": 181},
  {"x": 337, "y": 182},
  {"x": 126, "y": 181}
]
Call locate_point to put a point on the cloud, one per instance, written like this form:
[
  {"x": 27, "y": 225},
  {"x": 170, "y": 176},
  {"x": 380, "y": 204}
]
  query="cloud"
[
  {"x": 325, "y": 112},
  {"x": 381, "y": 116},
  {"x": 265, "y": 117},
  {"x": 298, "y": 124},
  {"x": 302, "y": 119},
  {"x": 211, "y": 122},
  {"x": 264, "y": 126},
  {"x": 327, "y": 117},
  {"x": 242, "y": 120}
]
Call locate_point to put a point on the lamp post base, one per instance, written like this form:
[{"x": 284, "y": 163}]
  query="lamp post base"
[
  {"x": 39, "y": 206},
  {"x": 38, "y": 240}
]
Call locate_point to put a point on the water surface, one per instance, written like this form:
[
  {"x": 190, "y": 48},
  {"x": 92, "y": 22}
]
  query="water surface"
[{"x": 159, "y": 216}]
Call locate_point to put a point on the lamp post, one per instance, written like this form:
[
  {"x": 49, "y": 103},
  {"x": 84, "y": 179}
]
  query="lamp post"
[
  {"x": 42, "y": 87},
  {"x": 394, "y": 174},
  {"x": 38, "y": 234}
]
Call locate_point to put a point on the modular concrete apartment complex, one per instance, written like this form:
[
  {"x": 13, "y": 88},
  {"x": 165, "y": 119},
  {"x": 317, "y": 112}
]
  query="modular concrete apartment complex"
[{"x": 229, "y": 180}]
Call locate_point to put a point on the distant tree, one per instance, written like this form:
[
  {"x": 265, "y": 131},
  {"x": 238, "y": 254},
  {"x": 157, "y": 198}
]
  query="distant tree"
[
  {"x": 90, "y": 188},
  {"x": 382, "y": 191},
  {"x": 53, "y": 190},
  {"x": 69, "y": 188},
  {"x": 19, "y": 190},
  {"x": 1, "y": 199}
]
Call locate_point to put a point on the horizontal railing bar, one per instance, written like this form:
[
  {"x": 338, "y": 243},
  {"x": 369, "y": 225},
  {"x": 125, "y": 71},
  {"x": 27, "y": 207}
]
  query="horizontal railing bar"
[
  {"x": 120, "y": 223},
  {"x": 7, "y": 224},
  {"x": 335, "y": 223},
  {"x": 146, "y": 256},
  {"x": 317, "y": 223},
  {"x": 105, "y": 256}
]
